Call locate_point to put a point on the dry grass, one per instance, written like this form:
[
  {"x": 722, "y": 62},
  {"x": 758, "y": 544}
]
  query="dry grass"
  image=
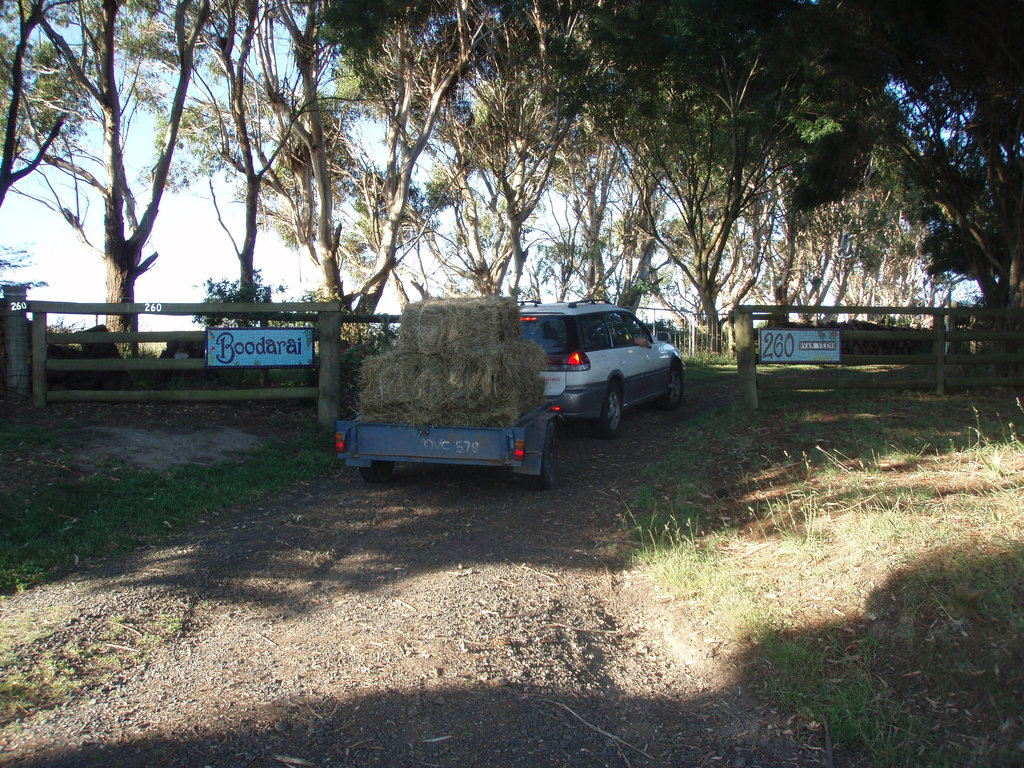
[{"x": 867, "y": 560}]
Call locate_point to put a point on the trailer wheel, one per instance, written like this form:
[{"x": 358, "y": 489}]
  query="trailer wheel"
[
  {"x": 548, "y": 459},
  {"x": 378, "y": 471}
]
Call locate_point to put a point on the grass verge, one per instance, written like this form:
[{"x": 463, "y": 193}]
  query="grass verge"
[
  {"x": 865, "y": 554},
  {"x": 38, "y": 674},
  {"x": 54, "y": 514},
  {"x": 58, "y": 508}
]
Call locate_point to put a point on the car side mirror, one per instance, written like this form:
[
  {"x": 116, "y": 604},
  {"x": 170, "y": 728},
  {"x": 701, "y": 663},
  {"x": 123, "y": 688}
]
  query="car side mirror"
[{"x": 663, "y": 336}]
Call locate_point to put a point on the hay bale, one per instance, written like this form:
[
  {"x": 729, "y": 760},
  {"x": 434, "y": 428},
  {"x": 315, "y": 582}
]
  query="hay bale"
[
  {"x": 457, "y": 362},
  {"x": 491, "y": 387},
  {"x": 452, "y": 327}
]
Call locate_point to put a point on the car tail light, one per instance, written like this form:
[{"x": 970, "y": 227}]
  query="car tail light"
[
  {"x": 339, "y": 442},
  {"x": 577, "y": 361},
  {"x": 520, "y": 450}
]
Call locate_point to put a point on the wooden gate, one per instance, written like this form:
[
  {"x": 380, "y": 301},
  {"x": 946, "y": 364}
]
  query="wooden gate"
[
  {"x": 952, "y": 347},
  {"x": 327, "y": 317}
]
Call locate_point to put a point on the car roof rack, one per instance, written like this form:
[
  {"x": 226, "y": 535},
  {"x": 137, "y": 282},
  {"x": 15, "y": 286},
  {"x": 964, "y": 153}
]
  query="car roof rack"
[
  {"x": 534, "y": 302},
  {"x": 574, "y": 304}
]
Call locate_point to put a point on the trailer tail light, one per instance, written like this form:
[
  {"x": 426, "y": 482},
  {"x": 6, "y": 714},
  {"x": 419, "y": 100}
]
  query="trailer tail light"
[
  {"x": 339, "y": 442},
  {"x": 577, "y": 361},
  {"x": 519, "y": 450}
]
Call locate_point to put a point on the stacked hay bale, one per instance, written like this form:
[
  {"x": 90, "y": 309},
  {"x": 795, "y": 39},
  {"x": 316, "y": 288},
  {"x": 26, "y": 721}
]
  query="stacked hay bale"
[{"x": 458, "y": 362}]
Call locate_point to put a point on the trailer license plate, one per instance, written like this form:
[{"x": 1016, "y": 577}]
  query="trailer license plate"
[{"x": 458, "y": 447}]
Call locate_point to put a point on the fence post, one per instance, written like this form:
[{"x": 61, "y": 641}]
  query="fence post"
[
  {"x": 746, "y": 360},
  {"x": 939, "y": 350},
  {"x": 329, "y": 397},
  {"x": 39, "y": 359},
  {"x": 16, "y": 339}
]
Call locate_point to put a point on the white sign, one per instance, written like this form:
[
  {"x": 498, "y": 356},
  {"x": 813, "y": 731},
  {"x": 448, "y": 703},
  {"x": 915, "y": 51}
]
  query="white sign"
[{"x": 787, "y": 345}]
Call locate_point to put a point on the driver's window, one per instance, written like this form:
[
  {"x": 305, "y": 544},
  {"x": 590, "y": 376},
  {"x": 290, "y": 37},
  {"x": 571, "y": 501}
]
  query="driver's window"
[{"x": 637, "y": 330}]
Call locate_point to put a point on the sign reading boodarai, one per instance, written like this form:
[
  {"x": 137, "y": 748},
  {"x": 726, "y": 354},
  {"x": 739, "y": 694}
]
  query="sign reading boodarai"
[
  {"x": 259, "y": 347},
  {"x": 786, "y": 345}
]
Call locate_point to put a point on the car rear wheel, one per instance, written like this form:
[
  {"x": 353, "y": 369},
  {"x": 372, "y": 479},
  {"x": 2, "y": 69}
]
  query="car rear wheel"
[
  {"x": 607, "y": 424},
  {"x": 673, "y": 396}
]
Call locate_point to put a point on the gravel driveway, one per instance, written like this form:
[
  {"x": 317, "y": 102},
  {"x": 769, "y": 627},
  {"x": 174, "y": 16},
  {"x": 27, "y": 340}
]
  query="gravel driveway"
[{"x": 454, "y": 617}]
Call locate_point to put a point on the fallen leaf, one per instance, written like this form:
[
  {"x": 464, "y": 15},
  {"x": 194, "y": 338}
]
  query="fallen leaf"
[{"x": 291, "y": 760}]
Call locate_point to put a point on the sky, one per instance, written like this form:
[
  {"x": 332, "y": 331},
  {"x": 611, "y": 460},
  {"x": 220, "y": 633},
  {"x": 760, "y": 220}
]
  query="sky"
[{"x": 191, "y": 244}]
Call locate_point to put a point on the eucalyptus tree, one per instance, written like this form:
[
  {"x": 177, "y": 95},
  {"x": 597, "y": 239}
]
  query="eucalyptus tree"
[
  {"x": 227, "y": 126},
  {"x": 524, "y": 119},
  {"x": 121, "y": 59},
  {"x": 864, "y": 246},
  {"x": 498, "y": 144},
  {"x": 274, "y": 113},
  {"x": 707, "y": 99},
  {"x": 583, "y": 206},
  {"x": 302, "y": 124},
  {"x": 953, "y": 72},
  {"x": 604, "y": 244},
  {"x": 24, "y": 71},
  {"x": 468, "y": 248},
  {"x": 404, "y": 60}
]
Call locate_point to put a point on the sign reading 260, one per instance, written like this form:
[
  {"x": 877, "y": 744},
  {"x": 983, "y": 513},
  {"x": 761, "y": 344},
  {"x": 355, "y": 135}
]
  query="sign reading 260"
[
  {"x": 777, "y": 346},
  {"x": 799, "y": 345},
  {"x": 19, "y": 306}
]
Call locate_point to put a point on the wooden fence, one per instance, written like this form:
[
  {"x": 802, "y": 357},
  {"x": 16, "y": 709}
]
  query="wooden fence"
[
  {"x": 328, "y": 316},
  {"x": 949, "y": 344}
]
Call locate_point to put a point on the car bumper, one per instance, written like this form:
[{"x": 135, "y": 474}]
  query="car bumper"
[{"x": 579, "y": 402}]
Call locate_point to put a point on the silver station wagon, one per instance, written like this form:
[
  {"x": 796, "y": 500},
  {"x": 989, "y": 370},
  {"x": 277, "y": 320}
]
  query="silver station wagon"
[{"x": 601, "y": 360}]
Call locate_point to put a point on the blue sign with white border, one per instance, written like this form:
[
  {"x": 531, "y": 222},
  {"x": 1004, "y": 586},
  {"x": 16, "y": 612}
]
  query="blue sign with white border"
[
  {"x": 260, "y": 347},
  {"x": 787, "y": 345}
]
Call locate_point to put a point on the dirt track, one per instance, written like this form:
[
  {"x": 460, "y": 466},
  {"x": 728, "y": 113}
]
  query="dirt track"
[{"x": 452, "y": 618}]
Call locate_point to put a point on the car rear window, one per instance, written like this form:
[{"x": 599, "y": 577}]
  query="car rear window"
[{"x": 548, "y": 331}]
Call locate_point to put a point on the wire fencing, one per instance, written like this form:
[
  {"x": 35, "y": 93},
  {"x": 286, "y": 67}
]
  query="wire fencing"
[{"x": 690, "y": 334}]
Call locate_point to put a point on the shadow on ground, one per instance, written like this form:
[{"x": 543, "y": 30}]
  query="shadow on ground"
[{"x": 459, "y": 726}]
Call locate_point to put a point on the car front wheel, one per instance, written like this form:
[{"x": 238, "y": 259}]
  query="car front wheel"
[{"x": 608, "y": 422}]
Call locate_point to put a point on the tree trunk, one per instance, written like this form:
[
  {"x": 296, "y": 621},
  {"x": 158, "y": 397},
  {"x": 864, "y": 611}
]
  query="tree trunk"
[
  {"x": 121, "y": 274},
  {"x": 246, "y": 254},
  {"x": 712, "y": 322}
]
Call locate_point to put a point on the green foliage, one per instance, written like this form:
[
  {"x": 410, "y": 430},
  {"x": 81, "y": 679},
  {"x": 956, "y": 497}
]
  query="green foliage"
[
  {"x": 233, "y": 292},
  {"x": 360, "y": 341},
  {"x": 954, "y": 111}
]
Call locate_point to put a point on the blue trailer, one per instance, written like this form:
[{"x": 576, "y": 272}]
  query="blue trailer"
[{"x": 528, "y": 447}]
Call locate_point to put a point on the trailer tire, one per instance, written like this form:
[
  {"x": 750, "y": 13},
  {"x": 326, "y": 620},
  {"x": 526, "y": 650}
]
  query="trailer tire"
[
  {"x": 545, "y": 480},
  {"x": 378, "y": 471}
]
